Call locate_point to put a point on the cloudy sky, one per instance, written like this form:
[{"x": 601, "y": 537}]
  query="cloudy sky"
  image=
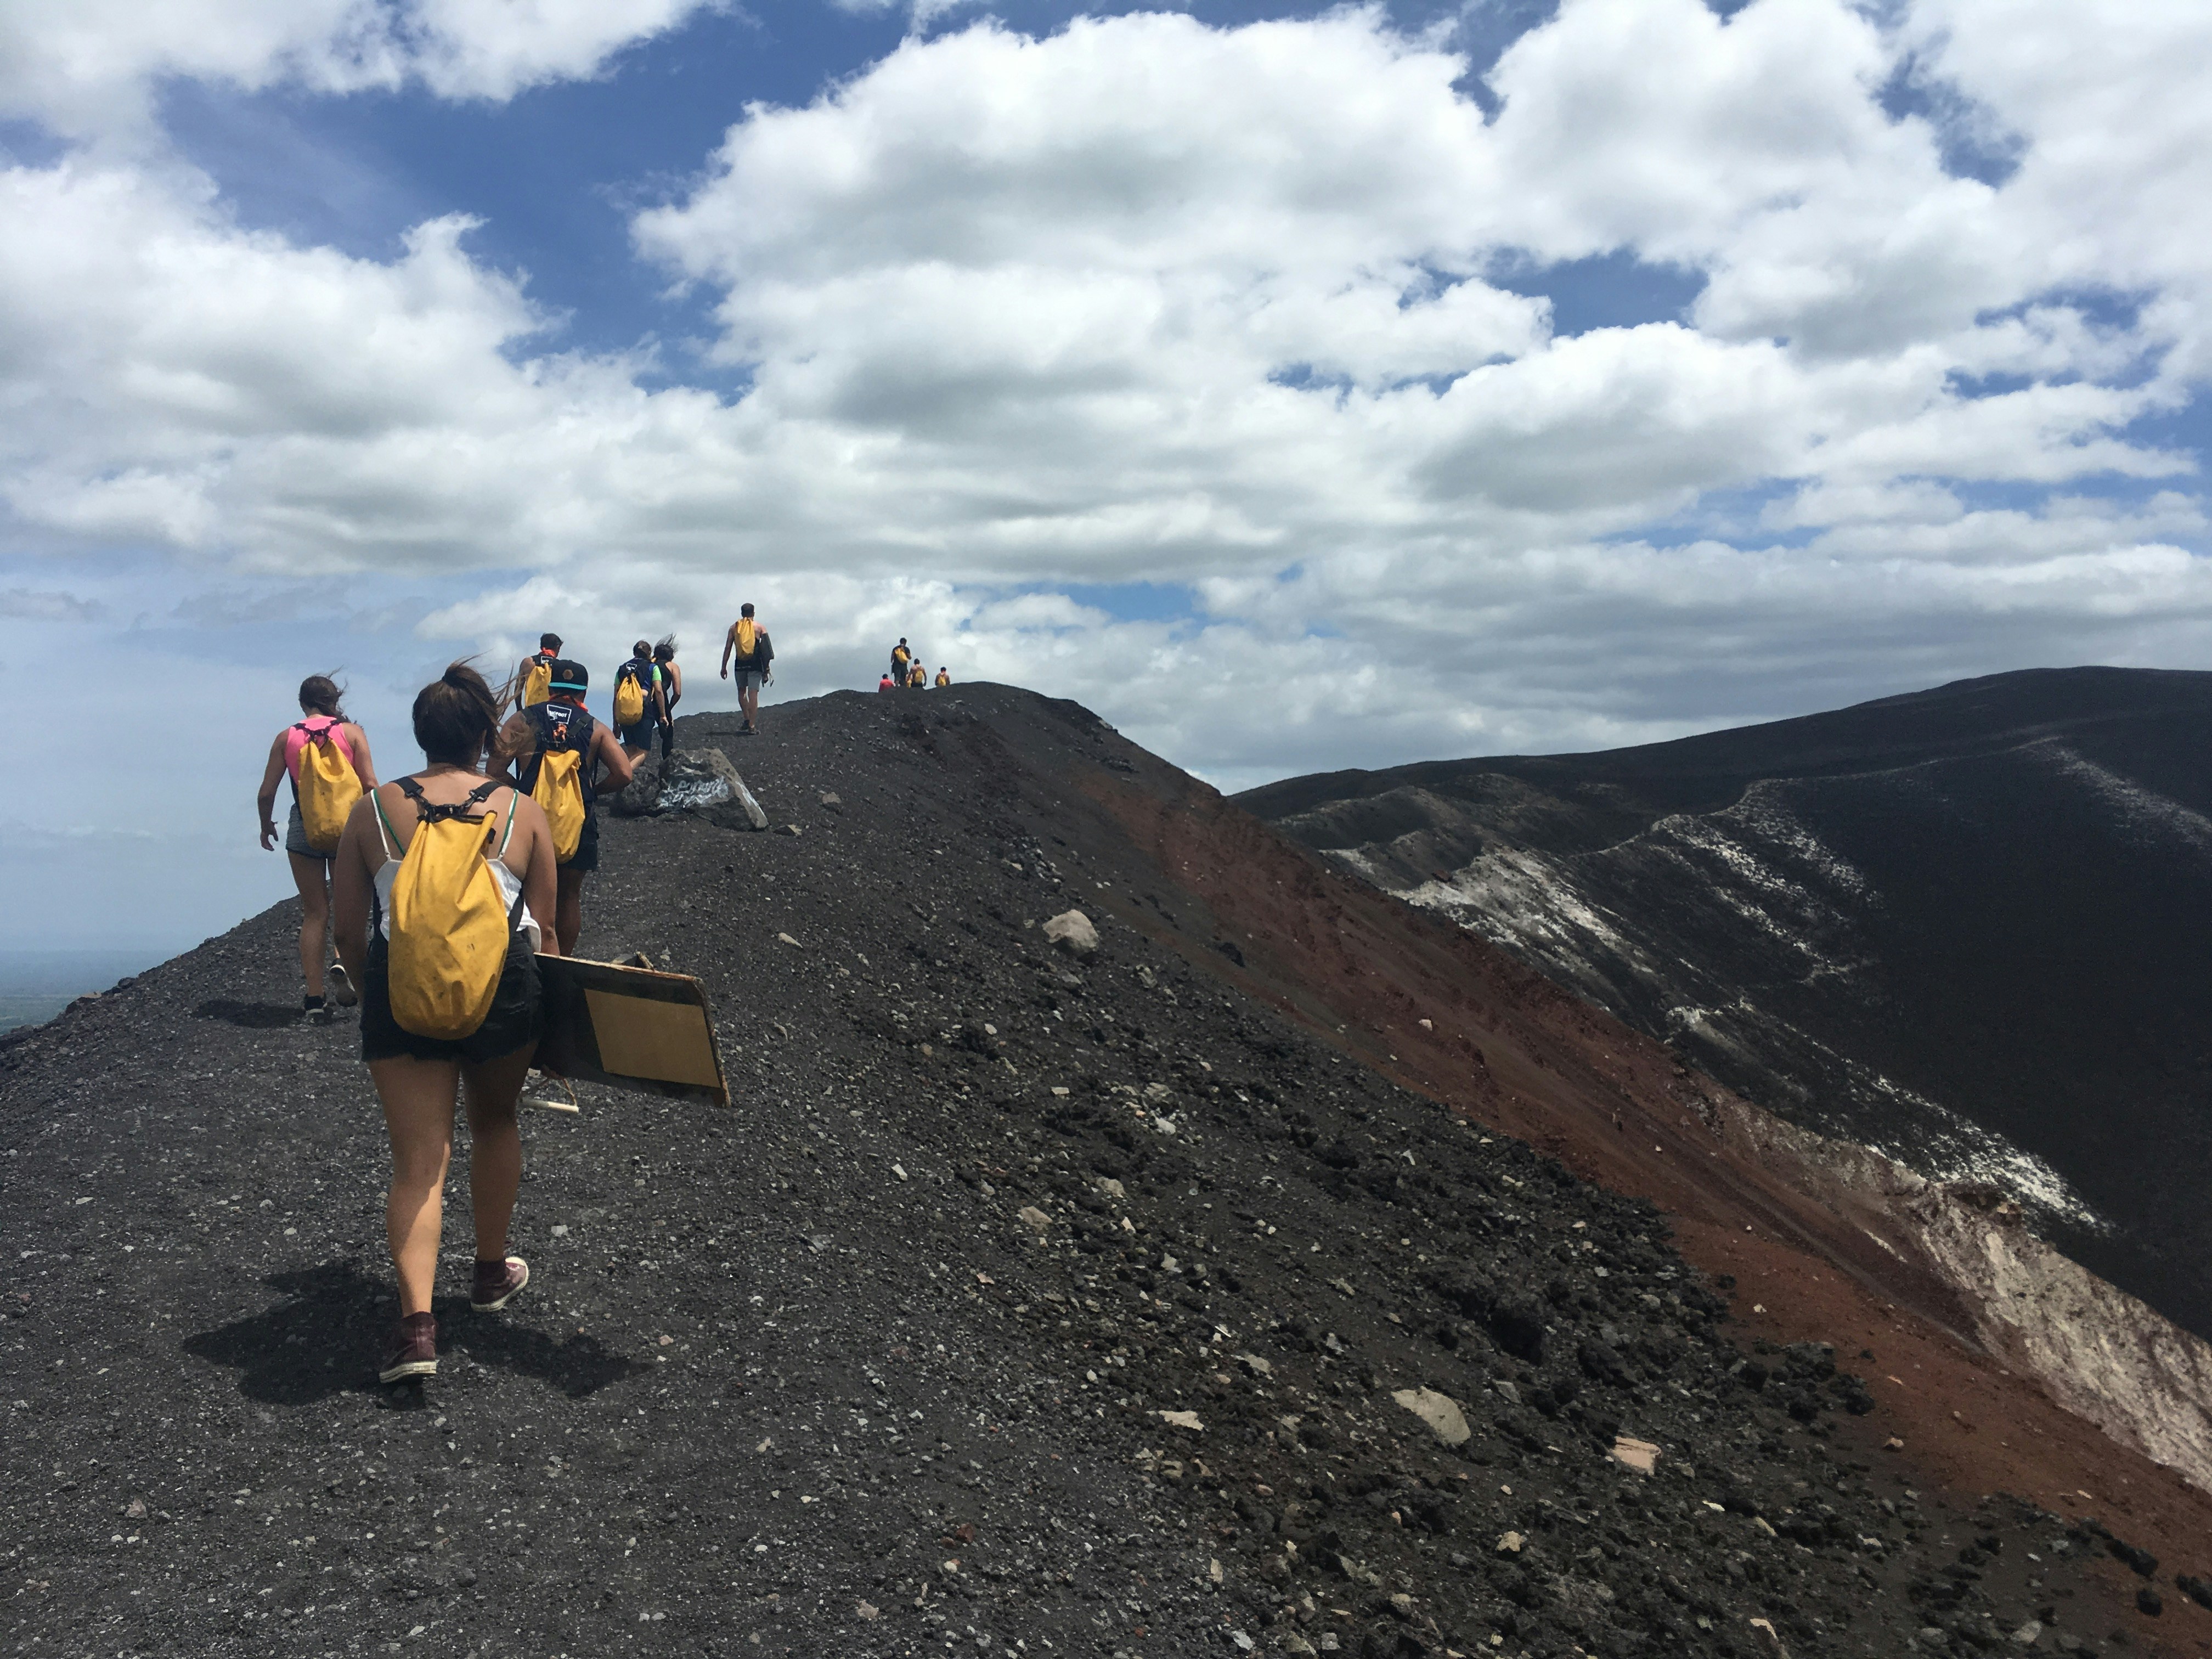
[{"x": 1299, "y": 388}]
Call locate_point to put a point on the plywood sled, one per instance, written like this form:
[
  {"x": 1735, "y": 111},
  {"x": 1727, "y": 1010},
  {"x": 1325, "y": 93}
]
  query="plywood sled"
[{"x": 630, "y": 1028}]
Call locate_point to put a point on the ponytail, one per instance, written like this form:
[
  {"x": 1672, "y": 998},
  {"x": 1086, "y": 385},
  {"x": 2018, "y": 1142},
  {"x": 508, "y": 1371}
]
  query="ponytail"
[{"x": 320, "y": 695}]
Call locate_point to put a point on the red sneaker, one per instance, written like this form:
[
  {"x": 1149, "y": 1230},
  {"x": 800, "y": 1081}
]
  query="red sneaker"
[
  {"x": 414, "y": 1351},
  {"x": 497, "y": 1282}
]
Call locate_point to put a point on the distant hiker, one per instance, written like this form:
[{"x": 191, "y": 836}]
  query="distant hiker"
[
  {"x": 749, "y": 649},
  {"x": 917, "y": 678},
  {"x": 326, "y": 756},
  {"x": 901, "y": 659},
  {"x": 943, "y": 678},
  {"x": 438, "y": 890},
  {"x": 672, "y": 693},
  {"x": 533, "y": 676},
  {"x": 885, "y": 684},
  {"x": 637, "y": 702},
  {"x": 554, "y": 752}
]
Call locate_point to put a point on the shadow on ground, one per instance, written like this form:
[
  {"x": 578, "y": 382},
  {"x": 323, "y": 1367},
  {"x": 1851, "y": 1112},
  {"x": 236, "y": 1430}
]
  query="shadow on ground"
[
  {"x": 321, "y": 1339},
  {"x": 254, "y": 1016}
]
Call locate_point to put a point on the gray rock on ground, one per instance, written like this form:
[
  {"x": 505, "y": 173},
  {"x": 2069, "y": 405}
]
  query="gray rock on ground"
[
  {"x": 1440, "y": 1412},
  {"x": 1071, "y": 931}
]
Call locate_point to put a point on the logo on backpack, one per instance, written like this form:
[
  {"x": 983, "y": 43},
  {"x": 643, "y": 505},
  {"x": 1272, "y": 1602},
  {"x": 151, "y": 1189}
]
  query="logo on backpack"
[
  {"x": 328, "y": 787},
  {"x": 450, "y": 929}
]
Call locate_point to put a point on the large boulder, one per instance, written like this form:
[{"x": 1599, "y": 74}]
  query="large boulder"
[{"x": 701, "y": 781}]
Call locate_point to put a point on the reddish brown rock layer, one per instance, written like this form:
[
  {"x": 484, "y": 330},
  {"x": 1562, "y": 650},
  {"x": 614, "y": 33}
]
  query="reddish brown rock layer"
[{"x": 1519, "y": 1054}]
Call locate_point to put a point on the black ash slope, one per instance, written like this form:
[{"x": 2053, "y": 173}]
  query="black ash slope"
[
  {"x": 1984, "y": 901},
  {"x": 800, "y": 1378}
]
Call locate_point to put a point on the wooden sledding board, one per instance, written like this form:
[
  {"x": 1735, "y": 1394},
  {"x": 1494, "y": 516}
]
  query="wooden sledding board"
[{"x": 631, "y": 1028}]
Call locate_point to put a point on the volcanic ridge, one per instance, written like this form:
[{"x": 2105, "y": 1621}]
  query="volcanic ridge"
[
  {"x": 1193, "y": 1289},
  {"x": 1959, "y": 927}
]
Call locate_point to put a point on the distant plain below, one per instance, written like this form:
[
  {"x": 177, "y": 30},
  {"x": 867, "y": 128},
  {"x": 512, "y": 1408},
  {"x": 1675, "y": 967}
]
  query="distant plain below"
[{"x": 35, "y": 985}]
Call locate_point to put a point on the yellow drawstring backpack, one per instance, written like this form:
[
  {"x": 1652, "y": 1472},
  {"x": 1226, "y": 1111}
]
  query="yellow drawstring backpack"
[
  {"x": 560, "y": 791},
  {"x": 328, "y": 787},
  {"x": 629, "y": 696},
  {"x": 748, "y": 638},
  {"x": 537, "y": 681},
  {"x": 450, "y": 929}
]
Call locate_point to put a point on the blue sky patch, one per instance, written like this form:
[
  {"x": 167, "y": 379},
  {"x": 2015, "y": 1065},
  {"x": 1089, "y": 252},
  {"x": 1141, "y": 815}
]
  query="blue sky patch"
[
  {"x": 1131, "y": 602},
  {"x": 1605, "y": 290},
  {"x": 1972, "y": 144}
]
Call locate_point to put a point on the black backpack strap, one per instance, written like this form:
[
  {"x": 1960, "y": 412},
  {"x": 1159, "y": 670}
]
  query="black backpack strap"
[{"x": 429, "y": 811}]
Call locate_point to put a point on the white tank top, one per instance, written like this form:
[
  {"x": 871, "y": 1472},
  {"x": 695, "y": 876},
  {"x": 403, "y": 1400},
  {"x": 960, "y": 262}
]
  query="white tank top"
[{"x": 510, "y": 885}]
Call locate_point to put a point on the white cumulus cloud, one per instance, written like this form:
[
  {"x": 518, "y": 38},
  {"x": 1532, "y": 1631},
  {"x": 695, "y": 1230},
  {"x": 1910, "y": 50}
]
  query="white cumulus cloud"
[
  {"x": 1228, "y": 311},
  {"x": 86, "y": 66}
]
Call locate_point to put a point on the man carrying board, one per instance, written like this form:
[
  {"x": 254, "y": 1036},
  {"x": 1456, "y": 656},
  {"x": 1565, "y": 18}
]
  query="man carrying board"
[{"x": 748, "y": 646}]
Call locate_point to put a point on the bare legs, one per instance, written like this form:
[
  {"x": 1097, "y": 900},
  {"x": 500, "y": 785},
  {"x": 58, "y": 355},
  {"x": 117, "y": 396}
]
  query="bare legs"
[
  {"x": 418, "y": 1111},
  {"x": 312, "y": 877},
  {"x": 749, "y": 700},
  {"x": 569, "y": 908}
]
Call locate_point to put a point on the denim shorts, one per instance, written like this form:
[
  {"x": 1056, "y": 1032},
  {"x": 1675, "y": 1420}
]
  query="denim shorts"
[
  {"x": 636, "y": 737},
  {"x": 295, "y": 838}
]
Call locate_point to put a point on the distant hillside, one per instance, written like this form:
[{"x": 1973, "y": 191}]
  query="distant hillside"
[{"x": 1967, "y": 926}]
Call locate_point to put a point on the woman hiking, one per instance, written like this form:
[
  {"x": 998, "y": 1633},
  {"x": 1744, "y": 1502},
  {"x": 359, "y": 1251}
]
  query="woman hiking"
[
  {"x": 443, "y": 1009},
  {"x": 339, "y": 772},
  {"x": 672, "y": 693}
]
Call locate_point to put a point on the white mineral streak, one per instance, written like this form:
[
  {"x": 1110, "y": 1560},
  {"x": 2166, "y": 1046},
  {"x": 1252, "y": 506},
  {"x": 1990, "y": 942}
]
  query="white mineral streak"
[
  {"x": 2150, "y": 814},
  {"x": 2096, "y": 1351},
  {"x": 1529, "y": 903}
]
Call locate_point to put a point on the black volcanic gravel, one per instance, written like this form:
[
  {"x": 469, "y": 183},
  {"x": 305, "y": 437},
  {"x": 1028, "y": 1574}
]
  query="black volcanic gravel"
[{"x": 799, "y": 1378}]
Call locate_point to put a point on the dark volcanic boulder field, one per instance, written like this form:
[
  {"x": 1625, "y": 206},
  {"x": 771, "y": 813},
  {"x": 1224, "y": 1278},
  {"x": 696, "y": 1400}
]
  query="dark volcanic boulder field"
[{"x": 1025, "y": 1301}]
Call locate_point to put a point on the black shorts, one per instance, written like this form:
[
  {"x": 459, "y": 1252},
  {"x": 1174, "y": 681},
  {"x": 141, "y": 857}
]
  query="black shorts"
[
  {"x": 516, "y": 1019},
  {"x": 586, "y": 859}
]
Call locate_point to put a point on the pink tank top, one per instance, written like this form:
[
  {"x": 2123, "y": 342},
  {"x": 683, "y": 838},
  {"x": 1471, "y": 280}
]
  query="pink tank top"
[{"x": 295, "y": 740}]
